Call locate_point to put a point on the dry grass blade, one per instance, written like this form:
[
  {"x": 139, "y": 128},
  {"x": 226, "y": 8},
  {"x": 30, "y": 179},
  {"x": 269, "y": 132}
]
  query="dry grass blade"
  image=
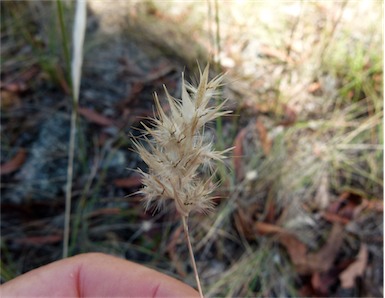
[{"x": 77, "y": 59}]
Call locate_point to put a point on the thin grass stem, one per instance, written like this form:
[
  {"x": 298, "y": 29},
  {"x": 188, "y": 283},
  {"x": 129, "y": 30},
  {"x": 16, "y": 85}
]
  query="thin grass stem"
[
  {"x": 218, "y": 31},
  {"x": 78, "y": 40},
  {"x": 67, "y": 214},
  {"x": 210, "y": 30},
  {"x": 64, "y": 38},
  {"x": 185, "y": 227}
]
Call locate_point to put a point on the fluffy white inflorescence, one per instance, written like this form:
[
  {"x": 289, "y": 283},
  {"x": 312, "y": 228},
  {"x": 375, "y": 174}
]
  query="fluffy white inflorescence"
[{"x": 176, "y": 149}]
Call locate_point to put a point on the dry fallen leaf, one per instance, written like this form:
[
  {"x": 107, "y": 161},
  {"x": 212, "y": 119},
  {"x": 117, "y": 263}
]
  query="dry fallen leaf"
[
  {"x": 313, "y": 87},
  {"x": 14, "y": 87},
  {"x": 345, "y": 207},
  {"x": 296, "y": 250},
  {"x": 40, "y": 240},
  {"x": 356, "y": 269},
  {"x": 129, "y": 182},
  {"x": 322, "y": 282},
  {"x": 332, "y": 217},
  {"x": 14, "y": 164},
  {"x": 321, "y": 261},
  {"x": 374, "y": 204},
  {"x": 266, "y": 228},
  {"x": 95, "y": 117},
  {"x": 105, "y": 211},
  {"x": 289, "y": 116},
  {"x": 263, "y": 137},
  {"x": 243, "y": 223},
  {"x": 9, "y": 99},
  {"x": 324, "y": 258}
]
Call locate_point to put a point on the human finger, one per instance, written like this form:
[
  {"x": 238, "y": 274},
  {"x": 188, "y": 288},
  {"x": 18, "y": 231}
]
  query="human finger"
[{"x": 95, "y": 275}]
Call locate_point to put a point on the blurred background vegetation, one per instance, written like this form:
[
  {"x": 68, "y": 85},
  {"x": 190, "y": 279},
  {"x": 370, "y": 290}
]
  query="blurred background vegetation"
[{"x": 300, "y": 207}]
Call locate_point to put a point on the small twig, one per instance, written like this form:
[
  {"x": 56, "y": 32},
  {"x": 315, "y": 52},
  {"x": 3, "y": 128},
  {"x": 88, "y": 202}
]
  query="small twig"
[{"x": 185, "y": 227}]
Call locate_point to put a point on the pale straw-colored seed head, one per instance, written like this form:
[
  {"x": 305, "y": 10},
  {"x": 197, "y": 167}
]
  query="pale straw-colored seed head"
[{"x": 176, "y": 149}]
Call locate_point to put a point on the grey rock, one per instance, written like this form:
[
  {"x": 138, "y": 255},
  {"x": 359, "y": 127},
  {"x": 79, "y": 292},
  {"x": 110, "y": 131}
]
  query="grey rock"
[{"x": 43, "y": 175}]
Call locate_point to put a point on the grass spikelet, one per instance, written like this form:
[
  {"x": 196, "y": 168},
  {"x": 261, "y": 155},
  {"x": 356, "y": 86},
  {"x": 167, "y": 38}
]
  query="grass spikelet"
[{"x": 176, "y": 150}]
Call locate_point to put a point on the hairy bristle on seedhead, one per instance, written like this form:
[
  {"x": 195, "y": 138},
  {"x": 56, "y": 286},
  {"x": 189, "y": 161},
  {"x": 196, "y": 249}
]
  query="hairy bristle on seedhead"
[{"x": 176, "y": 149}]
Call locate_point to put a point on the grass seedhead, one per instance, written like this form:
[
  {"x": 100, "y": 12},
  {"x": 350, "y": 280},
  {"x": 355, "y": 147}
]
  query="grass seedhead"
[{"x": 176, "y": 150}]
